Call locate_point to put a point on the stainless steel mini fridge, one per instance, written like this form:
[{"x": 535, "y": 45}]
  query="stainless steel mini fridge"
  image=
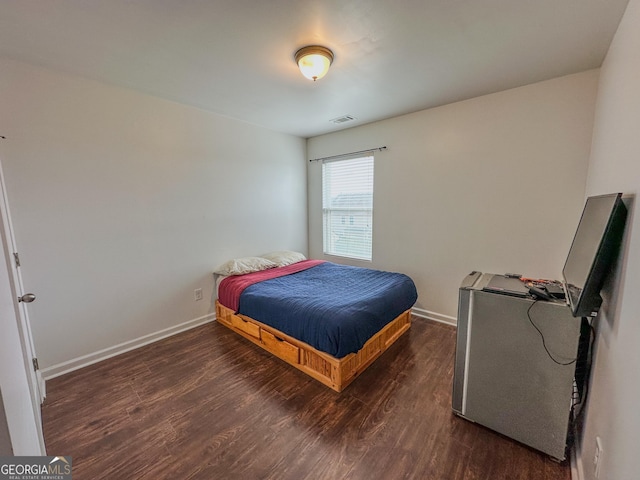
[{"x": 505, "y": 376}]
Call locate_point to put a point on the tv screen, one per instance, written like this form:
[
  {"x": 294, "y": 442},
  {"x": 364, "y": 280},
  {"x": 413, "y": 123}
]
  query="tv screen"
[{"x": 594, "y": 249}]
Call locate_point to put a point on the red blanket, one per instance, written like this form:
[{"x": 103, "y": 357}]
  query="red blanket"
[{"x": 231, "y": 287}]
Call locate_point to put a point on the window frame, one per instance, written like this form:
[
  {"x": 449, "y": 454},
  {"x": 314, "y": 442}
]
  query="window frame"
[{"x": 357, "y": 235}]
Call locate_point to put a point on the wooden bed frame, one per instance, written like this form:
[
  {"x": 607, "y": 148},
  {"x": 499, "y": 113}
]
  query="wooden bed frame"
[{"x": 335, "y": 373}]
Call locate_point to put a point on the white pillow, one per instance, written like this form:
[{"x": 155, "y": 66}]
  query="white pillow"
[
  {"x": 240, "y": 266},
  {"x": 284, "y": 257}
]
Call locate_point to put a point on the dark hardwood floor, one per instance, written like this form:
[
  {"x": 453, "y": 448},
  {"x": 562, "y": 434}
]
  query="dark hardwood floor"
[{"x": 207, "y": 404}]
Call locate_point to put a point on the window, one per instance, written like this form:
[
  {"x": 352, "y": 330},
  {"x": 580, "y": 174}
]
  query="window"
[{"x": 347, "y": 191}]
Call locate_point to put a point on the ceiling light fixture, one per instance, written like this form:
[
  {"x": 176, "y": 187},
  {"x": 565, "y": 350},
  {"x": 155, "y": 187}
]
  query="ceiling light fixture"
[{"x": 314, "y": 61}]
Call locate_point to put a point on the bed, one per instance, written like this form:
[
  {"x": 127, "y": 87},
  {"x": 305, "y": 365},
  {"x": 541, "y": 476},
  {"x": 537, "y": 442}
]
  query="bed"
[{"x": 330, "y": 321}]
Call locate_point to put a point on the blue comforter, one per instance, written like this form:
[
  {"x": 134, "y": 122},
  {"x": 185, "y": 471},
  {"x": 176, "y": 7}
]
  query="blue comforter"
[{"x": 334, "y": 308}]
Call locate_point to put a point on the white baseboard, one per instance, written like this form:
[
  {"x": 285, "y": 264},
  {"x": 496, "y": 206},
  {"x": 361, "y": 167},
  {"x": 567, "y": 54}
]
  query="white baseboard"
[
  {"x": 95, "y": 357},
  {"x": 577, "y": 470},
  {"x": 436, "y": 317}
]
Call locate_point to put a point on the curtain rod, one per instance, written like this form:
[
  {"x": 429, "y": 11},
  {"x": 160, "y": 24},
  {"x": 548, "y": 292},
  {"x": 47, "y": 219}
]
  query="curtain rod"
[{"x": 348, "y": 154}]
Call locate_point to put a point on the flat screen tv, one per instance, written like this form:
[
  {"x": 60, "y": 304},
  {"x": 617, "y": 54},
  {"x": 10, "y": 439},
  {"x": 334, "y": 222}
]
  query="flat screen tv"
[{"x": 593, "y": 251}]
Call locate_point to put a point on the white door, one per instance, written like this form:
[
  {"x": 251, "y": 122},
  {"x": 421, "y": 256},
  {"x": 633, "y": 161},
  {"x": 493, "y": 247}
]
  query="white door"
[{"x": 20, "y": 299}]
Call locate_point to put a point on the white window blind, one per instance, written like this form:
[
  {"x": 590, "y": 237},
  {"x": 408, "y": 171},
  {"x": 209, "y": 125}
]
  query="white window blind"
[{"x": 347, "y": 207}]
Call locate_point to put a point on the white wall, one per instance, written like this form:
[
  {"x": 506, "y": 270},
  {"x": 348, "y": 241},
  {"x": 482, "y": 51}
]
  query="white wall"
[
  {"x": 495, "y": 184},
  {"x": 124, "y": 203},
  {"x": 614, "y": 166}
]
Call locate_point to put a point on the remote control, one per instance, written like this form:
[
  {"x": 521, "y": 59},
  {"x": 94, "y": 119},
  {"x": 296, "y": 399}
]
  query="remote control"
[{"x": 540, "y": 293}]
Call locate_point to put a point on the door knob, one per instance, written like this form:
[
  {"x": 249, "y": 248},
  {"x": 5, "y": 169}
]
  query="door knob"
[{"x": 27, "y": 298}]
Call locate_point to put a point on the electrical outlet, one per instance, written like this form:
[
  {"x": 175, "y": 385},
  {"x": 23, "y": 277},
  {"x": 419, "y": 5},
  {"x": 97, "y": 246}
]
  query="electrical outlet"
[
  {"x": 597, "y": 457},
  {"x": 197, "y": 294}
]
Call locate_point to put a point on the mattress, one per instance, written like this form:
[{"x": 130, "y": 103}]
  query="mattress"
[{"x": 334, "y": 308}]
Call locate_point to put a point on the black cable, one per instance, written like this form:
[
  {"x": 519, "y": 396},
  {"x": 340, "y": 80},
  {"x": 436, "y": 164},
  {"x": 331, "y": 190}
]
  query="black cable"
[
  {"x": 587, "y": 365},
  {"x": 544, "y": 344},
  {"x": 582, "y": 395}
]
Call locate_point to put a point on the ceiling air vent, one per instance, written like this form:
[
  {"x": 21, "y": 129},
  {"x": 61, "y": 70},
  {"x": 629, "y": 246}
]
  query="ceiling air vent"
[{"x": 343, "y": 119}]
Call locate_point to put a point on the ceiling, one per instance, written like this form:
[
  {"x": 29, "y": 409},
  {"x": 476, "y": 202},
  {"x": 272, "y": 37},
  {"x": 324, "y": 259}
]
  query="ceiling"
[{"x": 235, "y": 57}]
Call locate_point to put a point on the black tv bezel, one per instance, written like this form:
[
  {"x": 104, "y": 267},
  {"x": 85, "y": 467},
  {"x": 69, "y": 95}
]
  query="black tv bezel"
[{"x": 589, "y": 300}]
